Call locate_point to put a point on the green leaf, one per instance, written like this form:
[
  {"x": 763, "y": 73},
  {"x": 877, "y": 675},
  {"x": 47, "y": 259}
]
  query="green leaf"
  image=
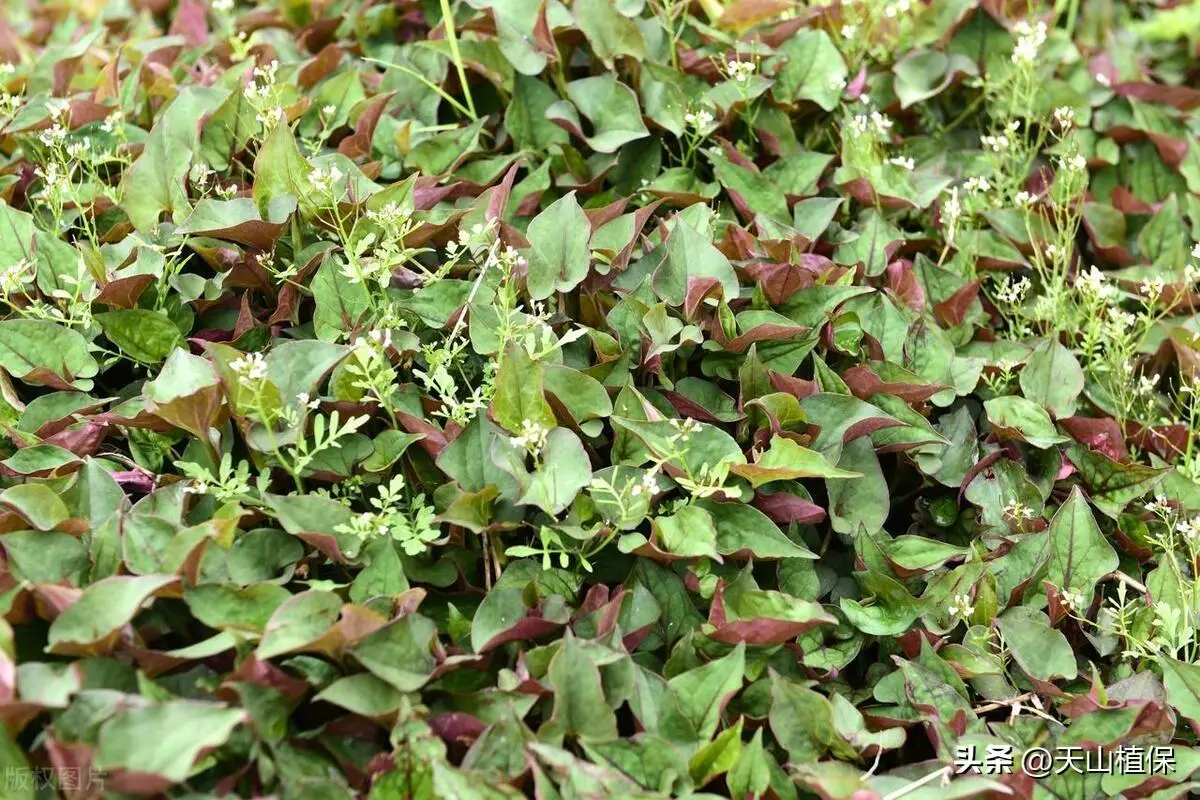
[
  {"x": 704, "y": 691},
  {"x": 814, "y": 69},
  {"x": 1079, "y": 554},
  {"x": 146, "y": 336},
  {"x": 1111, "y": 484},
  {"x": 1182, "y": 681},
  {"x": 1041, "y": 651},
  {"x": 1016, "y": 417},
  {"x": 280, "y": 170},
  {"x": 558, "y": 255},
  {"x": 564, "y": 470},
  {"x": 37, "y": 503},
  {"x": 46, "y": 354},
  {"x": 93, "y": 622},
  {"x": 609, "y": 32},
  {"x": 801, "y": 720},
  {"x": 580, "y": 707},
  {"x": 687, "y": 532},
  {"x": 298, "y": 623},
  {"x": 786, "y": 460},
  {"x": 690, "y": 254},
  {"x": 861, "y": 502},
  {"x": 519, "y": 399},
  {"x": 154, "y": 184},
  {"x": 746, "y": 531},
  {"x": 400, "y": 653},
  {"x": 1052, "y": 378},
  {"x": 609, "y": 105},
  {"x": 181, "y": 730}
]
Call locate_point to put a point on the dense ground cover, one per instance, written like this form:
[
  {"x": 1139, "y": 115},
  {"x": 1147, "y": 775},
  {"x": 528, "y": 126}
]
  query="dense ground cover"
[{"x": 609, "y": 398}]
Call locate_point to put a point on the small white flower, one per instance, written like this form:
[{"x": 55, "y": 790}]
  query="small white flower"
[
  {"x": 903, "y": 162},
  {"x": 112, "y": 122},
  {"x": 849, "y": 31},
  {"x": 222, "y": 6},
  {"x": 1018, "y": 511},
  {"x": 1024, "y": 198},
  {"x": 1013, "y": 292},
  {"x": 1196, "y": 251},
  {"x": 532, "y": 437},
  {"x": 1153, "y": 288},
  {"x": 1103, "y": 79},
  {"x": 54, "y": 135},
  {"x": 740, "y": 71},
  {"x": 865, "y": 99},
  {"x": 1076, "y": 162},
  {"x": 1159, "y": 505},
  {"x": 961, "y": 607},
  {"x": 323, "y": 180},
  {"x": 199, "y": 487},
  {"x": 14, "y": 278},
  {"x": 78, "y": 151},
  {"x": 859, "y": 124},
  {"x": 1071, "y": 599},
  {"x": 1030, "y": 39},
  {"x": 1065, "y": 117},
  {"x": 883, "y": 123},
  {"x": 976, "y": 184},
  {"x": 1189, "y": 528},
  {"x": 329, "y": 110},
  {"x": 685, "y": 427},
  {"x": 997, "y": 144},
  {"x": 199, "y": 174},
  {"x": 250, "y": 368},
  {"x": 1146, "y": 384},
  {"x": 698, "y": 119},
  {"x": 271, "y": 117},
  {"x": 7, "y": 68}
]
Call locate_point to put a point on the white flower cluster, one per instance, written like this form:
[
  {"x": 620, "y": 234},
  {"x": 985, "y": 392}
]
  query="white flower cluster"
[
  {"x": 897, "y": 7},
  {"x": 1076, "y": 163},
  {"x": 1096, "y": 283},
  {"x": 375, "y": 340},
  {"x": 1191, "y": 272},
  {"x": 1071, "y": 599},
  {"x": 1024, "y": 198},
  {"x": 1013, "y": 292},
  {"x": 222, "y": 6},
  {"x": 648, "y": 485},
  {"x": 1000, "y": 142},
  {"x": 740, "y": 71},
  {"x": 14, "y": 278},
  {"x": 263, "y": 82},
  {"x": 324, "y": 180},
  {"x": 977, "y": 184},
  {"x": 905, "y": 163},
  {"x": 880, "y": 124},
  {"x": 1065, "y": 117},
  {"x": 1030, "y": 39},
  {"x": 200, "y": 174},
  {"x": 1189, "y": 529},
  {"x": 684, "y": 428},
  {"x": 1018, "y": 511},
  {"x": 961, "y": 607},
  {"x": 56, "y": 181},
  {"x": 271, "y": 116},
  {"x": 1153, "y": 288},
  {"x": 1160, "y": 505},
  {"x": 698, "y": 119},
  {"x": 532, "y": 438},
  {"x": 250, "y": 368}
]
